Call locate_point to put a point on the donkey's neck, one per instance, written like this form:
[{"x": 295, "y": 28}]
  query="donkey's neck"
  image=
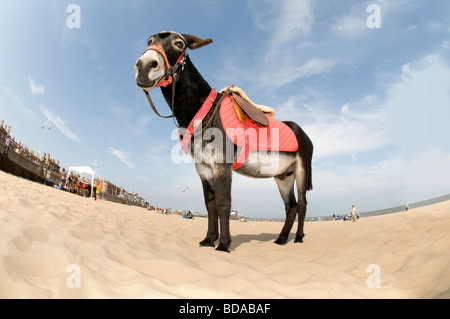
[{"x": 191, "y": 90}]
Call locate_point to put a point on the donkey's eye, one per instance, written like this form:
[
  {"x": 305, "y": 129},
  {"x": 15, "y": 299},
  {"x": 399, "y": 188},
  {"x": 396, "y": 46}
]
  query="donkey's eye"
[
  {"x": 150, "y": 41},
  {"x": 179, "y": 44}
]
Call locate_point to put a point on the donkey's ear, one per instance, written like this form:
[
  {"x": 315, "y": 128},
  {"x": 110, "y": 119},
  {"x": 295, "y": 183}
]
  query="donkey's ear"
[{"x": 194, "y": 42}]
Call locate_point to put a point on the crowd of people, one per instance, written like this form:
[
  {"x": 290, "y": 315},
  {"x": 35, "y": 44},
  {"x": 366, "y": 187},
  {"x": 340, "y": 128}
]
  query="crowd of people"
[
  {"x": 167, "y": 211},
  {"x": 352, "y": 216},
  {"x": 80, "y": 186}
]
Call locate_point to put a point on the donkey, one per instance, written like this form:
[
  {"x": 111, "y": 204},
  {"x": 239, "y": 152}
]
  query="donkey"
[{"x": 165, "y": 64}]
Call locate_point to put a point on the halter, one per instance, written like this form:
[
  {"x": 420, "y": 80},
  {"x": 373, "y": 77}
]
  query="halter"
[
  {"x": 166, "y": 80},
  {"x": 170, "y": 77}
]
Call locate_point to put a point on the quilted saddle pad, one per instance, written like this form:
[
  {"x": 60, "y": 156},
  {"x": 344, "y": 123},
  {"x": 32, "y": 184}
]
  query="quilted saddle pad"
[{"x": 250, "y": 136}]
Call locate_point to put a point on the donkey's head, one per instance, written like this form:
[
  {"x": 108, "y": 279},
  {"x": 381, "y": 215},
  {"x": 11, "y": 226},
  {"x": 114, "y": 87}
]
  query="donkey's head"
[{"x": 165, "y": 50}]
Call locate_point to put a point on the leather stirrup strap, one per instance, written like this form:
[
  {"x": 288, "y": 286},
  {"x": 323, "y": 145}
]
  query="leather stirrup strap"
[
  {"x": 154, "y": 108},
  {"x": 255, "y": 114}
]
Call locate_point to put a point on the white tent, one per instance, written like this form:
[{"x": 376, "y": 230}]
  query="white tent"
[{"x": 85, "y": 171}]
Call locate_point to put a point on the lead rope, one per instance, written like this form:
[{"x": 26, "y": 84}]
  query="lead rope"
[
  {"x": 174, "y": 81},
  {"x": 175, "y": 78},
  {"x": 154, "y": 108},
  {"x": 216, "y": 108}
]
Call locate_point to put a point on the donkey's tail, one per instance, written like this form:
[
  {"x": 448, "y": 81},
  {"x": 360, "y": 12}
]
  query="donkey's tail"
[{"x": 305, "y": 150}]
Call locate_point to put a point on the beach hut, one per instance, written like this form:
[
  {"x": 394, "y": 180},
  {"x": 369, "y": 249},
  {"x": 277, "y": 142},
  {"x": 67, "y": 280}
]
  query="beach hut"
[{"x": 85, "y": 171}]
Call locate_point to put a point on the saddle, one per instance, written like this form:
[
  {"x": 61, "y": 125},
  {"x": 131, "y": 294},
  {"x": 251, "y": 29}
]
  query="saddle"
[
  {"x": 248, "y": 125},
  {"x": 255, "y": 130},
  {"x": 244, "y": 107}
]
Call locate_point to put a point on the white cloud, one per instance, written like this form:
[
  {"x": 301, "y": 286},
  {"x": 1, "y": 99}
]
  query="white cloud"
[
  {"x": 418, "y": 106},
  {"x": 157, "y": 153},
  {"x": 446, "y": 45},
  {"x": 142, "y": 178},
  {"x": 279, "y": 59},
  {"x": 314, "y": 67},
  {"x": 36, "y": 89},
  {"x": 16, "y": 100},
  {"x": 140, "y": 125},
  {"x": 59, "y": 123},
  {"x": 413, "y": 115},
  {"x": 295, "y": 17},
  {"x": 351, "y": 26},
  {"x": 121, "y": 155},
  {"x": 427, "y": 175},
  {"x": 287, "y": 71},
  {"x": 357, "y": 128},
  {"x": 286, "y": 20},
  {"x": 383, "y": 150}
]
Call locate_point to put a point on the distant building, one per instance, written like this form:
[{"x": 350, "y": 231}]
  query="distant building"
[{"x": 23, "y": 161}]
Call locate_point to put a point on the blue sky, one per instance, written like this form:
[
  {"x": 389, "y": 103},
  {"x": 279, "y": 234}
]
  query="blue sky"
[{"x": 374, "y": 101}]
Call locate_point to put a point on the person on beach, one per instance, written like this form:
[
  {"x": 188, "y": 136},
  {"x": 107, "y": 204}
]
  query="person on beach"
[
  {"x": 406, "y": 208},
  {"x": 98, "y": 189},
  {"x": 63, "y": 179},
  {"x": 70, "y": 182},
  {"x": 353, "y": 213},
  {"x": 7, "y": 143},
  {"x": 188, "y": 215}
]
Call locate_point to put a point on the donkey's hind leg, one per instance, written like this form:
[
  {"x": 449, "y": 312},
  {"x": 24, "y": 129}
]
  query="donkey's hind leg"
[
  {"x": 301, "y": 217},
  {"x": 303, "y": 185},
  {"x": 285, "y": 185}
]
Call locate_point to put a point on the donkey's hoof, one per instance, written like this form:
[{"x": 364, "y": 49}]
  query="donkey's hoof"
[
  {"x": 299, "y": 239},
  {"x": 207, "y": 243},
  {"x": 223, "y": 248},
  {"x": 281, "y": 241}
]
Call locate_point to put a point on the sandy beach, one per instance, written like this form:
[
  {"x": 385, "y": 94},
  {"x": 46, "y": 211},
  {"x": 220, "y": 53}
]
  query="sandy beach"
[{"x": 58, "y": 245}]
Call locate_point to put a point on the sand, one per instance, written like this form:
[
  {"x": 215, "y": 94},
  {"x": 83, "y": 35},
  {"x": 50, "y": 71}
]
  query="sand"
[{"x": 58, "y": 245}]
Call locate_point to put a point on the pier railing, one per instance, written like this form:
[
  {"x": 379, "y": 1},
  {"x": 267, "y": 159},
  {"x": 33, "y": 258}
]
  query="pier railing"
[{"x": 23, "y": 161}]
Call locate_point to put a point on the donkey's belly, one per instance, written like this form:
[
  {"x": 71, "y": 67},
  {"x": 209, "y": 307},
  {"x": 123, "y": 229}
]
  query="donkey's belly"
[{"x": 262, "y": 164}]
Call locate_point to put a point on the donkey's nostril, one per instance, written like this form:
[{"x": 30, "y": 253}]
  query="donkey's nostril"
[
  {"x": 138, "y": 65},
  {"x": 154, "y": 64}
]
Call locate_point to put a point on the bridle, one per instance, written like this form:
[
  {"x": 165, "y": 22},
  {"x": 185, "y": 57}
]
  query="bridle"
[
  {"x": 167, "y": 79},
  {"x": 171, "y": 77}
]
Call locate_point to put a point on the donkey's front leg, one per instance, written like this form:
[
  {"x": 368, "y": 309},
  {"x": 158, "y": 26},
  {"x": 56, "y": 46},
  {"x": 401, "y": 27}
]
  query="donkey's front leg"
[
  {"x": 209, "y": 193},
  {"x": 222, "y": 180}
]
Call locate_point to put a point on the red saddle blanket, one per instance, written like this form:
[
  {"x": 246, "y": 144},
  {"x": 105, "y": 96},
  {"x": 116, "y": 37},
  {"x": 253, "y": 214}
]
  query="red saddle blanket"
[
  {"x": 250, "y": 136},
  {"x": 81, "y": 184}
]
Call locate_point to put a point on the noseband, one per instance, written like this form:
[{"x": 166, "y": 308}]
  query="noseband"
[
  {"x": 170, "y": 77},
  {"x": 167, "y": 79}
]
